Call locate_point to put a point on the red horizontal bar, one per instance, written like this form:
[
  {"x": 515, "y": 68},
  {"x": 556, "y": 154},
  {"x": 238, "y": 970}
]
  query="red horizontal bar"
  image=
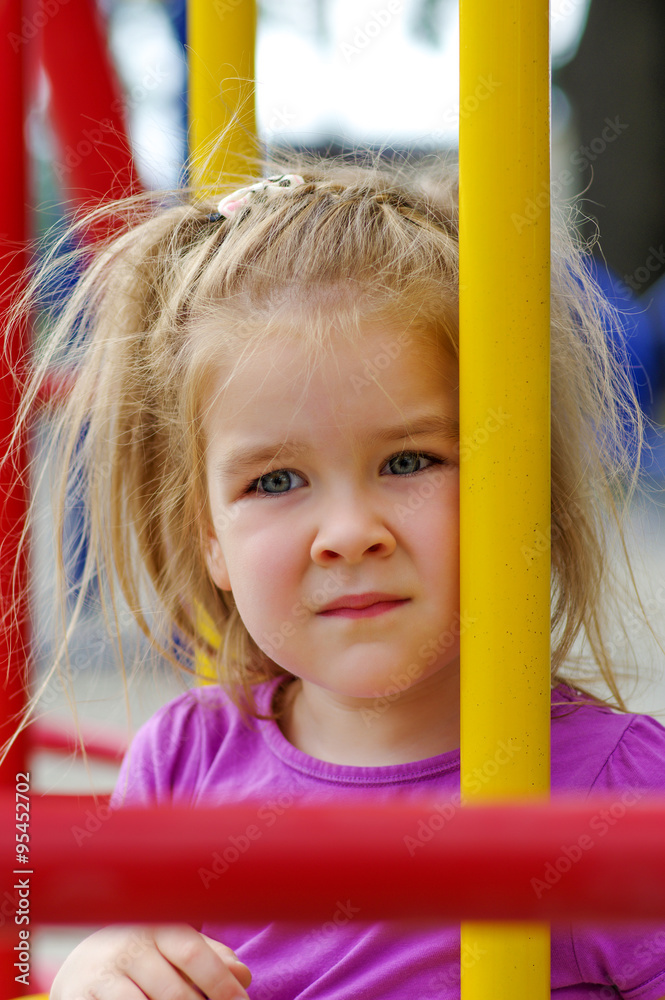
[
  {"x": 594, "y": 861},
  {"x": 99, "y": 744}
]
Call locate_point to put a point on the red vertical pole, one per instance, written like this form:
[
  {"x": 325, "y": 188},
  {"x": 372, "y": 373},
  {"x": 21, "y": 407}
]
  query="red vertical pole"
[
  {"x": 86, "y": 107},
  {"x": 13, "y": 496}
]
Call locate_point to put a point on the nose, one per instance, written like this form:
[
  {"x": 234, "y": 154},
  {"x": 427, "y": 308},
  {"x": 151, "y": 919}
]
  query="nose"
[{"x": 351, "y": 531}]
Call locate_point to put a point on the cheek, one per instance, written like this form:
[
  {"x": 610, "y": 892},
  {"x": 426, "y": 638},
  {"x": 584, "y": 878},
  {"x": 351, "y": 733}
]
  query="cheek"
[
  {"x": 262, "y": 575},
  {"x": 436, "y": 534}
]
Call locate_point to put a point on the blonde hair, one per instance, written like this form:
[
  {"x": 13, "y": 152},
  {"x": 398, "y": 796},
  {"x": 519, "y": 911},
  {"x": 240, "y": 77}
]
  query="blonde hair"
[{"x": 372, "y": 239}]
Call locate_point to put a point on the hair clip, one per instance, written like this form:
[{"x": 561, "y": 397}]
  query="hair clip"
[{"x": 262, "y": 191}]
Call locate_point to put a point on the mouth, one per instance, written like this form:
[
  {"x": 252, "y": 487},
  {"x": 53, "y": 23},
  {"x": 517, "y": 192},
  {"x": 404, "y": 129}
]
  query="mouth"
[{"x": 362, "y": 605}]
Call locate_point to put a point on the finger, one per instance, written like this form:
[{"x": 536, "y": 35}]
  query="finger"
[
  {"x": 120, "y": 988},
  {"x": 191, "y": 953},
  {"x": 97, "y": 969},
  {"x": 137, "y": 970},
  {"x": 116, "y": 986},
  {"x": 229, "y": 957},
  {"x": 102, "y": 984},
  {"x": 241, "y": 972},
  {"x": 155, "y": 978}
]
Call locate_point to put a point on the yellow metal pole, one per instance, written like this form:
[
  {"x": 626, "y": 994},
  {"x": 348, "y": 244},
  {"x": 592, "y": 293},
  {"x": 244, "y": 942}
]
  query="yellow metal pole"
[
  {"x": 505, "y": 447},
  {"x": 221, "y": 41},
  {"x": 221, "y": 37}
]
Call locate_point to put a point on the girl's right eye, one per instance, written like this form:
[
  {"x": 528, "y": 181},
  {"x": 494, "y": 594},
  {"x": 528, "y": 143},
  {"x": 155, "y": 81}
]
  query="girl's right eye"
[{"x": 273, "y": 484}]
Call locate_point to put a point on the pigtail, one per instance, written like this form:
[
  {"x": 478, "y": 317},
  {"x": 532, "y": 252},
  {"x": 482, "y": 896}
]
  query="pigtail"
[{"x": 178, "y": 295}]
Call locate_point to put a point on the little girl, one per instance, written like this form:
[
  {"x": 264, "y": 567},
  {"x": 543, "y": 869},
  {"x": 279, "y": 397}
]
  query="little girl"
[{"x": 263, "y": 384}]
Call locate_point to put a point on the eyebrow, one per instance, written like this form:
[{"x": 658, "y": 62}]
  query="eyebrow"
[{"x": 243, "y": 460}]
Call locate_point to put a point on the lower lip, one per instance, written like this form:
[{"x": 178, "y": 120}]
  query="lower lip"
[{"x": 369, "y": 612}]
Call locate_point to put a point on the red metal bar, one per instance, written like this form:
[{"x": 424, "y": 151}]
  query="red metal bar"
[
  {"x": 87, "y": 107},
  {"x": 102, "y": 745},
  {"x": 13, "y": 260},
  {"x": 596, "y": 861},
  {"x": 13, "y": 564}
]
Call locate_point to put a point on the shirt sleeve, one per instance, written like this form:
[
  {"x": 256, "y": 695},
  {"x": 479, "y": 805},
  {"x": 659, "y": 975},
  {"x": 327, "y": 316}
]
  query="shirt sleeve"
[
  {"x": 632, "y": 958},
  {"x": 162, "y": 763}
]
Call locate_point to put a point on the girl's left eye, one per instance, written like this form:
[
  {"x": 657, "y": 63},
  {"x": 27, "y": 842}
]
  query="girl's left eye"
[{"x": 407, "y": 463}]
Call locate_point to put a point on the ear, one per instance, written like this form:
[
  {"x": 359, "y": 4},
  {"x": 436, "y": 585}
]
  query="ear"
[{"x": 216, "y": 564}]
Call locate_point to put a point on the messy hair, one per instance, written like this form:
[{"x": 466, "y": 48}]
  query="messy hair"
[{"x": 180, "y": 294}]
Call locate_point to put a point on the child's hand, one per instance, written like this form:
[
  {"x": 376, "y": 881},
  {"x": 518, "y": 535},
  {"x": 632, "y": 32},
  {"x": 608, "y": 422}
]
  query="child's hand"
[{"x": 173, "y": 962}]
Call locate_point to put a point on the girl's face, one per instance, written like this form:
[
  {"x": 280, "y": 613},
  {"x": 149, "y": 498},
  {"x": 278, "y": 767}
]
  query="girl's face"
[{"x": 335, "y": 511}]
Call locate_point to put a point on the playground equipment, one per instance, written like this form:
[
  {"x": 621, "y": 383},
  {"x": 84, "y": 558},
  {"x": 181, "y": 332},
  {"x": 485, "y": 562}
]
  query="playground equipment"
[
  {"x": 90, "y": 860},
  {"x": 486, "y": 858},
  {"x": 504, "y": 354},
  {"x": 95, "y": 164},
  {"x": 221, "y": 45}
]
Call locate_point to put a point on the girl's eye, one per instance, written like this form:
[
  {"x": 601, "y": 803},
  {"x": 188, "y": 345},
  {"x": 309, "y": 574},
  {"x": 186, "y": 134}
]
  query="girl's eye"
[
  {"x": 274, "y": 483},
  {"x": 281, "y": 481},
  {"x": 407, "y": 463}
]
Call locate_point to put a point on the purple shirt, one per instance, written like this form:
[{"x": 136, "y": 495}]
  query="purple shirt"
[{"x": 197, "y": 750}]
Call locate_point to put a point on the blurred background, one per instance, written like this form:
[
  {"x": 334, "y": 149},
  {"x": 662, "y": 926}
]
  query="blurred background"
[
  {"x": 331, "y": 74},
  {"x": 334, "y": 73}
]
